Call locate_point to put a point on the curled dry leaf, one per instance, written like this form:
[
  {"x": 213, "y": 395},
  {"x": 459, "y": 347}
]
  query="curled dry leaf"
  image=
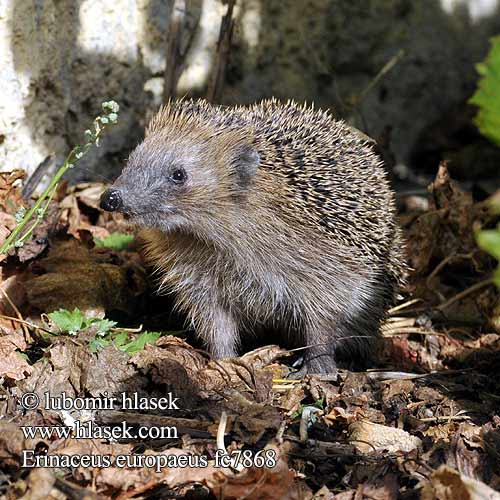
[
  {"x": 10, "y": 194},
  {"x": 110, "y": 371},
  {"x": 63, "y": 368},
  {"x": 368, "y": 437},
  {"x": 260, "y": 483},
  {"x": 448, "y": 484},
  {"x": 12, "y": 442},
  {"x": 141, "y": 479},
  {"x": 240, "y": 376},
  {"x": 80, "y": 211},
  {"x": 173, "y": 363},
  {"x": 12, "y": 365},
  {"x": 40, "y": 485}
]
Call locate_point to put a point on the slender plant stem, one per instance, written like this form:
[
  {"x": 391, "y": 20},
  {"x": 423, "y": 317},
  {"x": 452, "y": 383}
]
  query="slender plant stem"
[
  {"x": 109, "y": 116},
  {"x": 29, "y": 214}
]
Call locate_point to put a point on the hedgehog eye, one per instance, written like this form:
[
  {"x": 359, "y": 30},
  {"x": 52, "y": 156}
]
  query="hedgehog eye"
[{"x": 178, "y": 176}]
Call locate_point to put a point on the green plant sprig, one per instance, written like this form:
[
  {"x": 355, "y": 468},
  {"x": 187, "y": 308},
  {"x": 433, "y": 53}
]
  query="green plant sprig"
[{"x": 109, "y": 117}]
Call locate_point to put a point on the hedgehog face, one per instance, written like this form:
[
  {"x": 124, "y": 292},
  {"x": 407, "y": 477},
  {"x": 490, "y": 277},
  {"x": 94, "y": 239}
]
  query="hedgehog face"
[{"x": 180, "y": 185}]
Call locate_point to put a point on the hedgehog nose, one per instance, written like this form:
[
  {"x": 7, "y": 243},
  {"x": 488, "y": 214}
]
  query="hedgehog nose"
[{"x": 111, "y": 200}]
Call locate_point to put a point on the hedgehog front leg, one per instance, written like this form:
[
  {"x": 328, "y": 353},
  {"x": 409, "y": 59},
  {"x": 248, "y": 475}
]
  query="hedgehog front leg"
[
  {"x": 319, "y": 357},
  {"x": 219, "y": 330}
]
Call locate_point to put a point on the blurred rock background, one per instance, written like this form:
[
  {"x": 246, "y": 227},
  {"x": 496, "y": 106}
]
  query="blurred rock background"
[{"x": 399, "y": 70}]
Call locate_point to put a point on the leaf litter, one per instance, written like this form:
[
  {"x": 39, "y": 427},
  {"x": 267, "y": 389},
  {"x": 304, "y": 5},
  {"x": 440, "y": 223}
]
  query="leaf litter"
[{"x": 79, "y": 317}]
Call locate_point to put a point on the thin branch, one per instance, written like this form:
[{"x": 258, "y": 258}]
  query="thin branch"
[
  {"x": 222, "y": 54},
  {"x": 173, "y": 55},
  {"x": 463, "y": 294}
]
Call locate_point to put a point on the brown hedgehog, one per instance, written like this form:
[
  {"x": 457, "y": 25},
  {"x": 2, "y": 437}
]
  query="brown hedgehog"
[{"x": 267, "y": 217}]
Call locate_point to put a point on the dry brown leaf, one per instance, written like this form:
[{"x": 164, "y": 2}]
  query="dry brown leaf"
[
  {"x": 173, "y": 363},
  {"x": 10, "y": 194},
  {"x": 12, "y": 364},
  {"x": 12, "y": 442},
  {"x": 443, "y": 432},
  {"x": 63, "y": 368},
  {"x": 277, "y": 483},
  {"x": 39, "y": 238},
  {"x": 394, "y": 388},
  {"x": 421, "y": 240},
  {"x": 448, "y": 484},
  {"x": 145, "y": 478},
  {"x": 7, "y": 224},
  {"x": 368, "y": 437},
  {"x": 40, "y": 485},
  {"x": 325, "y": 494},
  {"x": 291, "y": 400},
  {"x": 81, "y": 212},
  {"x": 383, "y": 489},
  {"x": 111, "y": 372}
]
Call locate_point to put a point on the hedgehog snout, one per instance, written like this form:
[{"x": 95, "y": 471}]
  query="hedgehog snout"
[{"x": 111, "y": 200}]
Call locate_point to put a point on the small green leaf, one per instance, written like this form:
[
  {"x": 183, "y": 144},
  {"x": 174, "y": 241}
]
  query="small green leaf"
[
  {"x": 138, "y": 344},
  {"x": 22, "y": 355},
  {"x": 487, "y": 95},
  {"x": 120, "y": 339},
  {"x": 98, "y": 343},
  {"x": 489, "y": 241},
  {"x": 320, "y": 403},
  {"x": 103, "y": 326},
  {"x": 68, "y": 321},
  {"x": 496, "y": 277},
  {"x": 117, "y": 241}
]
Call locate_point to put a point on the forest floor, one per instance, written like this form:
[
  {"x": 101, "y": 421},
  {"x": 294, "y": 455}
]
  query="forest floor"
[{"x": 82, "y": 319}]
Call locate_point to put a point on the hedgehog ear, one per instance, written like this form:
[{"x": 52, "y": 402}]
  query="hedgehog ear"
[{"x": 247, "y": 162}]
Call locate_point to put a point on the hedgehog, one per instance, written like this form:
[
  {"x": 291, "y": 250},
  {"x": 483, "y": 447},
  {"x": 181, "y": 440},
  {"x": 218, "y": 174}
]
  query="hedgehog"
[{"x": 272, "y": 217}]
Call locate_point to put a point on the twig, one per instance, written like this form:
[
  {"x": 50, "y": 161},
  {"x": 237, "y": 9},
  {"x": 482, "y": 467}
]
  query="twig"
[
  {"x": 444, "y": 262},
  {"x": 404, "y": 305},
  {"x": 17, "y": 312},
  {"x": 444, "y": 418},
  {"x": 281, "y": 431},
  {"x": 128, "y": 330},
  {"x": 27, "y": 323},
  {"x": 222, "y": 54},
  {"x": 221, "y": 431},
  {"x": 173, "y": 56},
  {"x": 385, "y": 69},
  {"x": 464, "y": 293},
  {"x": 387, "y": 375},
  {"x": 391, "y": 332}
]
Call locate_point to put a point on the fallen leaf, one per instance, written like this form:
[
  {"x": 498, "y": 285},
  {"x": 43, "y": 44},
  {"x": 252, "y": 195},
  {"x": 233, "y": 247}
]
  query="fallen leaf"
[
  {"x": 12, "y": 364},
  {"x": 448, "y": 484},
  {"x": 368, "y": 437}
]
